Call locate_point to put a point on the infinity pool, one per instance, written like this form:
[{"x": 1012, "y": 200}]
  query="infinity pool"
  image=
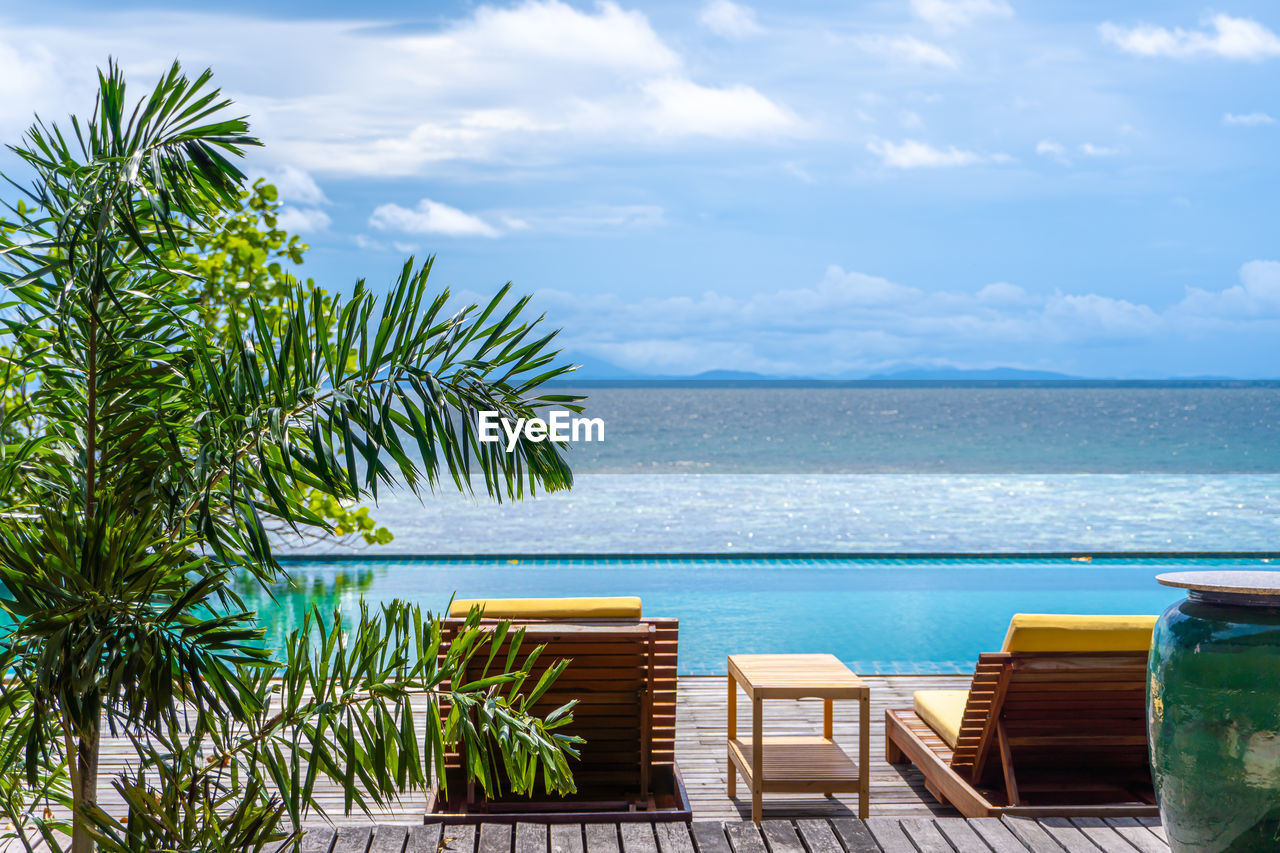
[{"x": 878, "y": 614}]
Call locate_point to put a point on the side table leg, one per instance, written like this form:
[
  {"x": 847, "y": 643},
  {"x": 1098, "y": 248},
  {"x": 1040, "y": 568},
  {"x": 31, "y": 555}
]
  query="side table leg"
[
  {"x": 757, "y": 760},
  {"x": 864, "y": 757},
  {"x": 828, "y": 728},
  {"x": 733, "y": 733}
]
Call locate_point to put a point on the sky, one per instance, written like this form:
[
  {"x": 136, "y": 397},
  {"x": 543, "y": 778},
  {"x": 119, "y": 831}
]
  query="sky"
[{"x": 788, "y": 188}]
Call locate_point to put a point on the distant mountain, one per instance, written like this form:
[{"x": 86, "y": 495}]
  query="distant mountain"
[
  {"x": 597, "y": 369},
  {"x": 727, "y": 376},
  {"x": 944, "y": 374}
]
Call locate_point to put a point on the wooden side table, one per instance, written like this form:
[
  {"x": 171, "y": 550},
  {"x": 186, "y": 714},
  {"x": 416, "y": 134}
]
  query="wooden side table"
[{"x": 797, "y": 764}]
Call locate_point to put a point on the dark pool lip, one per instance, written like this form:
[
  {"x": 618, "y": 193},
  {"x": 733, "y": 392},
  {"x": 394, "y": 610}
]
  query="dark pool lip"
[{"x": 764, "y": 556}]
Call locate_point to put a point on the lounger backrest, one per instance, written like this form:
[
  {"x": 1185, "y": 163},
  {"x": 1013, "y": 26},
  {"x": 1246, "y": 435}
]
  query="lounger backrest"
[
  {"x": 1056, "y": 632},
  {"x": 613, "y": 607},
  {"x": 1068, "y": 692},
  {"x": 622, "y": 671}
]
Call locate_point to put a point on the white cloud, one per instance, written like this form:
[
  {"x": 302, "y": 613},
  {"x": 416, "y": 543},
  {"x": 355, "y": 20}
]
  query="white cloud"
[
  {"x": 430, "y": 217},
  {"x": 1092, "y": 315},
  {"x": 585, "y": 219},
  {"x": 797, "y": 171},
  {"x": 296, "y": 185},
  {"x": 1050, "y": 148},
  {"x": 908, "y": 49},
  {"x": 300, "y": 220},
  {"x": 1057, "y": 151},
  {"x": 851, "y": 322},
  {"x": 1222, "y": 36},
  {"x": 533, "y": 84},
  {"x": 1257, "y": 295},
  {"x": 1088, "y": 149},
  {"x": 680, "y": 107},
  {"x": 950, "y": 14},
  {"x": 914, "y": 154},
  {"x": 1003, "y": 293},
  {"x": 730, "y": 20},
  {"x": 1247, "y": 119}
]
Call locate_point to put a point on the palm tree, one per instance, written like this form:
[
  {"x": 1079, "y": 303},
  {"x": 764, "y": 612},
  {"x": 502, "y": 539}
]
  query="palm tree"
[{"x": 145, "y": 459}]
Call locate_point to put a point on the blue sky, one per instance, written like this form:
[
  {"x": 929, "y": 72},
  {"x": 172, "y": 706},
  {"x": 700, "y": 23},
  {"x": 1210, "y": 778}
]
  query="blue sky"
[{"x": 821, "y": 189}]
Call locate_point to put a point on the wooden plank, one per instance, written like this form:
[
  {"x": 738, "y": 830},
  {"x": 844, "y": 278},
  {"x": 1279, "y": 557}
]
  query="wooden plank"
[
  {"x": 1153, "y": 824},
  {"x": 854, "y": 835},
  {"x": 961, "y": 836},
  {"x": 602, "y": 837},
  {"x": 637, "y": 837},
  {"x": 1032, "y": 835},
  {"x": 780, "y": 836},
  {"x": 566, "y": 838},
  {"x": 744, "y": 838},
  {"x": 352, "y": 839},
  {"x": 494, "y": 838},
  {"x": 1141, "y": 836},
  {"x": 709, "y": 837},
  {"x": 818, "y": 836},
  {"x": 1066, "y": 834},
  {"x": 1105, "y": 837},
  {"x": 531, "y": 837},
  {"x": 924, "y": 835},
  {"x": 673, "y": 837},
  {"x": 389, "y": 839},
  {"x": 423, "y": 839},
  {"x": 997, "y": 835},
  {"x": 458, "y": 838},
  {"x": 889, "y": 835},
  {"x": 318, "y": 840}
]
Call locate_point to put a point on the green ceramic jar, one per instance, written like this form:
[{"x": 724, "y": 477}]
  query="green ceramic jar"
[{"x": 1213, "y": 714}]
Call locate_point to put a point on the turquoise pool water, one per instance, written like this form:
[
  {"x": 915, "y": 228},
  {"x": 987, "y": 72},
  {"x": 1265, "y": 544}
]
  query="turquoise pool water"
[{"x": 877, "y": 613}]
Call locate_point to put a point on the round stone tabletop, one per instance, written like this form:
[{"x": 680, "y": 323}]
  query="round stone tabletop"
[{"x": 1237, "y": 582}]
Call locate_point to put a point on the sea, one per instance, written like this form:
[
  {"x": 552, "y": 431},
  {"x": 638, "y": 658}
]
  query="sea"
[{"x": 969, "y": 468}]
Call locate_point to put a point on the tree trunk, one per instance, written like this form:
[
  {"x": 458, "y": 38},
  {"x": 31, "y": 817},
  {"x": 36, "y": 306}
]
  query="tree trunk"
[{"x": 86, "y": 789}]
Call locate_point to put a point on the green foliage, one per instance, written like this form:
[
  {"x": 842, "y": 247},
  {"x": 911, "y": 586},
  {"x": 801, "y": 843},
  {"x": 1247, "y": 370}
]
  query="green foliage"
[
  {"x": 243, "y": 254},
  {"x": 254, "y": 778},
  {"x": 151, "y": 443}
]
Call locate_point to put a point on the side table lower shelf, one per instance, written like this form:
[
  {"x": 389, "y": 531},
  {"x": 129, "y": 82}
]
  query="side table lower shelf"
[{"x": 797, "y": 764}]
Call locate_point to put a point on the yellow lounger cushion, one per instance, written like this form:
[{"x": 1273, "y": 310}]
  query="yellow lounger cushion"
[
  {"x": 619, "y": 607},
  {"x": 1053, "y": 632},
  {"x": 942, "y": 710}
]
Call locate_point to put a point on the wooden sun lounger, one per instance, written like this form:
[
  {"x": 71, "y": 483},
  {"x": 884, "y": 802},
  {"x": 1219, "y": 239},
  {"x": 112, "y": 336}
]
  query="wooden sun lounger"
[
  {"x": 622, "y": 672},
  {"x": 1043, "y": 734}
]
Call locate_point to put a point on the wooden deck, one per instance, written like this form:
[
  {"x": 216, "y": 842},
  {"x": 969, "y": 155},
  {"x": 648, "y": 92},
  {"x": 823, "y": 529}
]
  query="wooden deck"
[
  {"x": 702, "y": 756},
  {"x": 812, "y": 835},
  {"x": 904, "y": 818}
]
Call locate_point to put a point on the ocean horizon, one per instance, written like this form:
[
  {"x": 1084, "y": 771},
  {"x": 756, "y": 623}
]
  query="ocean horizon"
[{"x": 1187, "y": 468}]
